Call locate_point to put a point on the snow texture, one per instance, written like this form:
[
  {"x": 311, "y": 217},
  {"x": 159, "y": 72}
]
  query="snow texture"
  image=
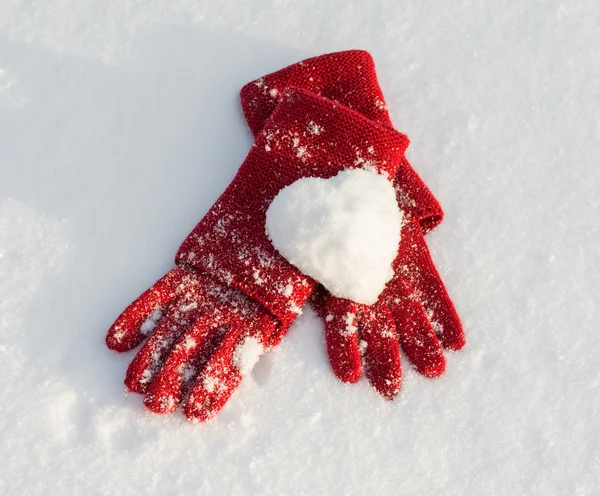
[
  {"x": 343, "y": 231},
  {"x": 120, "y": 125},
  {"x": 247, "y": 354}
]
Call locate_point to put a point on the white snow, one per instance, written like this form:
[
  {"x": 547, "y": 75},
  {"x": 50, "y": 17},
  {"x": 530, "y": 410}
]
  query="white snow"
[
  {"x": 120, "y": 126},
  {"x": 247, "y": 353},
  {"x": 343, "y": 231},
  {"x": 150, "y": 323}
]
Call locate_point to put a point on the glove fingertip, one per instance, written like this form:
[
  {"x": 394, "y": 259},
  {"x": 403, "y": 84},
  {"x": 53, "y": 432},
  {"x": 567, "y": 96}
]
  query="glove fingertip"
[
  {"x": 344, "y": 356},
  {"x": 137, "y": 375},
  {"x": 202, "y": 405},
  {"x": 384, "y": 369},
  {"x": 434, "y": 368},
  {"x": 456, "y": 342},
  {"x": 387, "y": 387},
  {"x": 347, "y": 370},
  {"x": 116, "y": 340},
  {"x": 160, "y": 404},
  {"x": 199, "y": 410},
  {"x": 449, "y": 328}
]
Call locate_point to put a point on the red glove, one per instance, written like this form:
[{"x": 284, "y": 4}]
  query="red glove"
[
  {"x": 232, "y": 294},
  {"x": 415, "y": 307}
]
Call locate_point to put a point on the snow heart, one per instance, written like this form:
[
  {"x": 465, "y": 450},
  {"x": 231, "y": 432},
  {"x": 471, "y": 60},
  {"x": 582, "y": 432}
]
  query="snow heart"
[{"x": 343, "y": 231}]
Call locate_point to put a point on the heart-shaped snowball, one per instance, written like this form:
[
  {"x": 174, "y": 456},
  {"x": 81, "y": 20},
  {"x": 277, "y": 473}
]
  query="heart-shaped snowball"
[{"x": 343, "y": 231}]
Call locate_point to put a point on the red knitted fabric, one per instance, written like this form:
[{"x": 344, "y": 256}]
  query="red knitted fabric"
[
  {"x": 231, "y": 287},
  {"x": 349, "y": 78},
  {"x": 415, "y": 308}
]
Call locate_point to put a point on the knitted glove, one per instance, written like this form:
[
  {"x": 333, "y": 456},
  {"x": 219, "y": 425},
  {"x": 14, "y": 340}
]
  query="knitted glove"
[
  {"x": 415, "y": 308},
  {"x": 232, "y": 294}
]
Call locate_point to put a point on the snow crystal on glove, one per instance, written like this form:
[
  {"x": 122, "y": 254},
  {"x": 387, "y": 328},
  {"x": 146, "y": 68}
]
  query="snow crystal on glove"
[
  {"x": 246, "y": 354},
  {"x": 343, "y": 231}
]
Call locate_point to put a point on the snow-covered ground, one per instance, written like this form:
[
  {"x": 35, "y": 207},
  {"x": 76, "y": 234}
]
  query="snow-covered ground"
[{"x": 120, "y": 125}]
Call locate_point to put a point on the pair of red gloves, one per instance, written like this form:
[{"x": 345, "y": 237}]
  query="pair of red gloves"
[{"x": 232, "y": 295}]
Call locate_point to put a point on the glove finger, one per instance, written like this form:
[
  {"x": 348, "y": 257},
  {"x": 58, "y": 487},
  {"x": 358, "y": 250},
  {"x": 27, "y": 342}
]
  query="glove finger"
[
  {"x": 139, "y": 319},
  {"x": 380, "y": 349},
  {"x": 429, "y": 287},
  {"x": 234, "y": 357},
  {"x": 215, "y": 383},
  {"x": 342, "y": 340},
  {"x": 416, "y": 334},
  {"x": 183, "y": 365},
  {"x": 149, "y": 360}
]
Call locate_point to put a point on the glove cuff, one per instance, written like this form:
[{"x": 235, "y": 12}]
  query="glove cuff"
[
  {"x": 306, "y": 136},
  {"x": 347, "y": 77},
  {"x": 350, "y": 79}
]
